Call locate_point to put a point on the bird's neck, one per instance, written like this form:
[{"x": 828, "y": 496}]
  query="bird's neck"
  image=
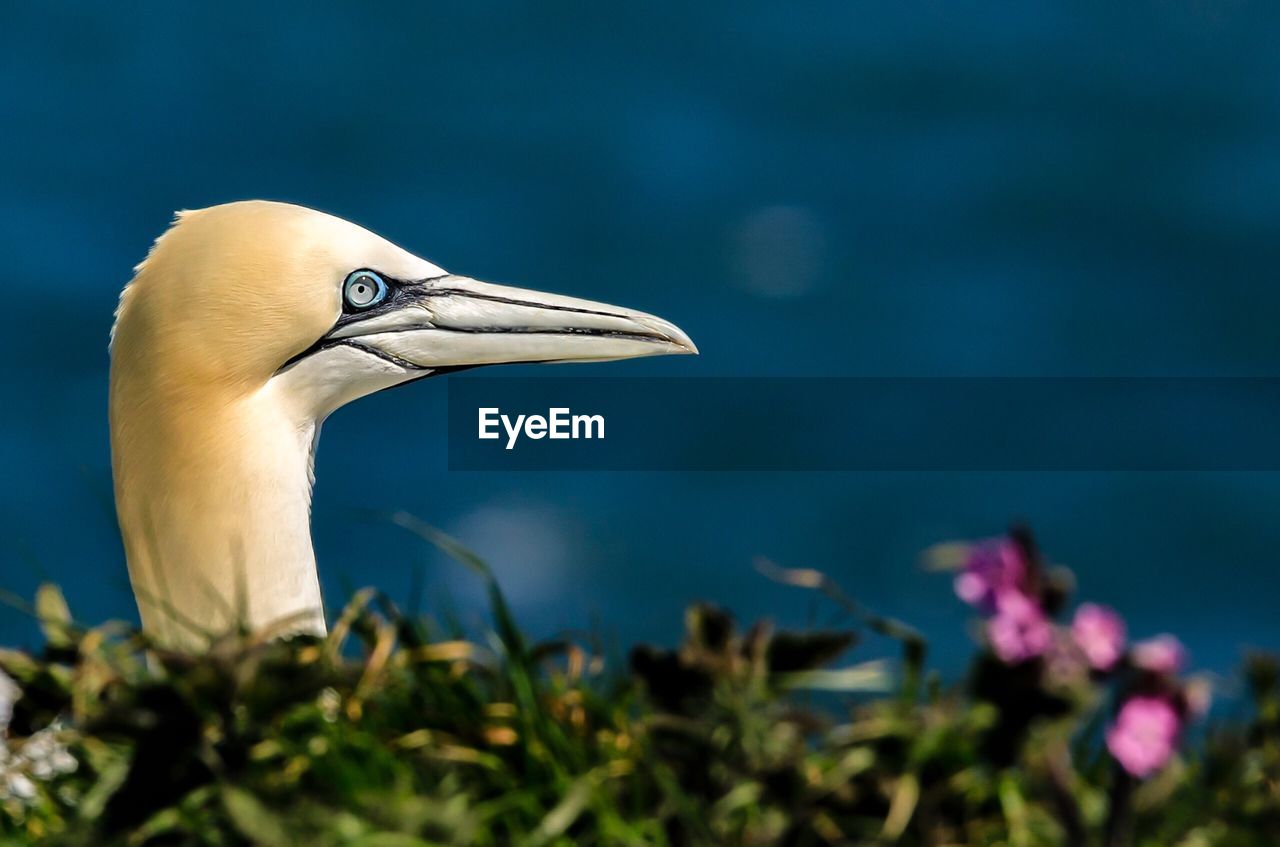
[{"x": 214, "y": 504}]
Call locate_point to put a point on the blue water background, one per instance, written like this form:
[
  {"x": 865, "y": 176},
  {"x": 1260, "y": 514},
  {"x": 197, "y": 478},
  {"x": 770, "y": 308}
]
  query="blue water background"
[{"x": 829, "y": 188}]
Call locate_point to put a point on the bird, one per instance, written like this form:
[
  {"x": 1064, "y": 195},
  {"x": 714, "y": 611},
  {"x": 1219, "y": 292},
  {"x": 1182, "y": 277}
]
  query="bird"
[{"x": 246, "y": 325}]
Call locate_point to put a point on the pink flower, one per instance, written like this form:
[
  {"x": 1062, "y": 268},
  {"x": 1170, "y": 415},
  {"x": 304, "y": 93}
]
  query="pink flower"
[
  {"x": 1100, "y": 634},
  {"x": 993, "y": 566},
  {"x": 1019, "y": 629},
  {"x": 1144, "y": 735},
  {"x": 1163, "y": 654}
]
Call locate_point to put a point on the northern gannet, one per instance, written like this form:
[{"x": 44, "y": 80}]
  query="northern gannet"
[{"x": 245, "y": 326}]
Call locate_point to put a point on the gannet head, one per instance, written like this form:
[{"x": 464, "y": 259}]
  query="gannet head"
[{"x": 246, "y": 293}]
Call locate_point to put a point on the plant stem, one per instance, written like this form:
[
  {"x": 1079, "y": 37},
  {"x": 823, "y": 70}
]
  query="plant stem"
[{"x": 1120, "y": 819}]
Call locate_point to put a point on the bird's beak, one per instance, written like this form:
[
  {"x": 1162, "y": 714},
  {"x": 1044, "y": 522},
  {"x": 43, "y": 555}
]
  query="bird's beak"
[{"x": 454, "y": 321}]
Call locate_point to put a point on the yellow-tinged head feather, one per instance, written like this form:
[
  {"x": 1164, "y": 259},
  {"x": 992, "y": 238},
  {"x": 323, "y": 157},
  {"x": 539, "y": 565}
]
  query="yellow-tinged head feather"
[{"x": 230, "y": 293}]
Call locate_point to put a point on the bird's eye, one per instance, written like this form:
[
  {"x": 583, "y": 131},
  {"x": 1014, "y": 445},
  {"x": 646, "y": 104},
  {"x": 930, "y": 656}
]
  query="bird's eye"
[{"x": 363, "y": 289}]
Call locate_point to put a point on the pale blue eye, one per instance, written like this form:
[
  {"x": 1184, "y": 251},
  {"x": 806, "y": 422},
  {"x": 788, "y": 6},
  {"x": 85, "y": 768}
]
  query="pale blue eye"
[{"x": 363, "y": 289}]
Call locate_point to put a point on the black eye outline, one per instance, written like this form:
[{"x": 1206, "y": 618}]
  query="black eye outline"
[{"x": 364, "y": 276}]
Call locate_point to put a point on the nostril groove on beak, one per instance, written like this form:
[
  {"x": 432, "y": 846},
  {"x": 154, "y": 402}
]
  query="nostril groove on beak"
[{"x": 511, "y": 301}]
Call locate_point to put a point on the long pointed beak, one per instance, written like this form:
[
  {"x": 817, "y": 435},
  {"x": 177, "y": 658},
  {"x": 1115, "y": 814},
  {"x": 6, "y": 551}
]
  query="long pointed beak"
[{"x": 455, "y": 321}]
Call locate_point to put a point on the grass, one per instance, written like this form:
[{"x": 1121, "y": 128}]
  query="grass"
[{"x": 394, "y": 732}]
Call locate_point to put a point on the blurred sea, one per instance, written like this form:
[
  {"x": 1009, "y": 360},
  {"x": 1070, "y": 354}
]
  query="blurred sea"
[{"x": 829, "y": 189}]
